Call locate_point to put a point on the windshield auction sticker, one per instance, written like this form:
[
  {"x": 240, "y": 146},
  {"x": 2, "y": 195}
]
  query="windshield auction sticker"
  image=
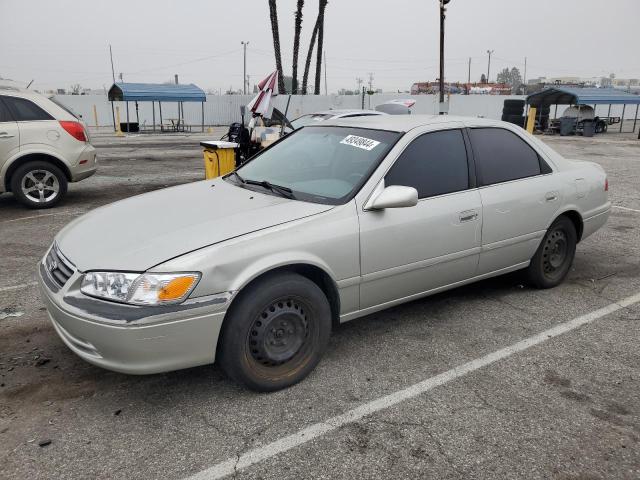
[{"x": 360, "y": 142}]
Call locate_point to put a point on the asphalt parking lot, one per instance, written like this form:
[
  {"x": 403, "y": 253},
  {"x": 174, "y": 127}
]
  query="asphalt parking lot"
[{"x": 563, "y": 405}]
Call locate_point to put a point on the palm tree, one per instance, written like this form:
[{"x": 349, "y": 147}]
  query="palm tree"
[
  {"x": 323, "y": 4},
  {"x": 296, "y": 46},
  {"x": 307, "y": 64},
  {"x": 276, "y": 44}
]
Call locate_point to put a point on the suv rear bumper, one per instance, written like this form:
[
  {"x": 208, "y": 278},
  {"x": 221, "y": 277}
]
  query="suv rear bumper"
[{"x": 86, "y": 166}]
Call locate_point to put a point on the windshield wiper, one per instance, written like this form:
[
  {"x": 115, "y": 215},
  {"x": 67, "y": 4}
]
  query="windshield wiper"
[
  {"x": 237, "y": 175},
  {"x": 283, "y": 191}
]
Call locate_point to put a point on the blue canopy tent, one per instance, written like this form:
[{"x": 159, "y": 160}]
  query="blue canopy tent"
[
  {"x": 561, "y": 95},
  {"x": 154, "y": 92}
]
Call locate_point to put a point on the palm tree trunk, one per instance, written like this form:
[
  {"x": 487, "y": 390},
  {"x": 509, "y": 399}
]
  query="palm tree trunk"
[
  {"x": 307, "y": 64},
  {"x": 276, "y": 44},
  {"x": 323, "y": 4},
  {"x": 296, "y": 46}
]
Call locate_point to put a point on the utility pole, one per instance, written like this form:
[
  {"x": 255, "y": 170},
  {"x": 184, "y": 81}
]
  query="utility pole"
[
  {"x": 359, "y": 81},
  {"x": 113, "y": 76},
  {"x": 244, "y": 74},
  {"x": 490, "y": 52},
  {"x": 469, "y": 79},
  {"x": 443, "y": 11},
  {"x": 325, "y": 72},
  {"x": 524, "y": 81},
  {"x": 370, "y": 81},
  {"x": 113, "y": 73}
]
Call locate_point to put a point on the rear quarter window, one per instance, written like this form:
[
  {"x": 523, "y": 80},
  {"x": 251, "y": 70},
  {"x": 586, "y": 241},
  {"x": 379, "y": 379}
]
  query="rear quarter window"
[{"x": 24, "y": 110}]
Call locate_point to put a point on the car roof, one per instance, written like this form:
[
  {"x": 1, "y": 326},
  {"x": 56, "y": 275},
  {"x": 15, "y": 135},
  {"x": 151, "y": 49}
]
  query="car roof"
[
  {"x": 344, "y": 111},
  {"x": 404, "y": 123},
  {"x": 14, "y": 91}
]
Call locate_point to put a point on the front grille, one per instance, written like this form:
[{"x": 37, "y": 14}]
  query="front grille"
[{"x": 60, "y": 269}]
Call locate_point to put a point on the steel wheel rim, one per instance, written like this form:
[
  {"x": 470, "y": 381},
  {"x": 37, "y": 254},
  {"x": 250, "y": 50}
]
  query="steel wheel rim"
[
  {"x": 280, "y": 333},
  {"x": 40, "y": 186},
  {"x": 555, "y": 252}
]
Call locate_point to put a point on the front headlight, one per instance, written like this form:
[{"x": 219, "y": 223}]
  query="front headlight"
[{"x": 140, "y": 289}]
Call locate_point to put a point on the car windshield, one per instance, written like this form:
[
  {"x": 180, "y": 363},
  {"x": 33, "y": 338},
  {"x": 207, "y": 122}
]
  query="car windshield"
[
  {"x": 312, "y": 119},
  {"x": 319, "y": 164}
]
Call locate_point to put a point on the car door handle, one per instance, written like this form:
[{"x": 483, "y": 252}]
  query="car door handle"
[
  {"x": 551, "y": 196},
  {"x": 6, "y": 135},
  {"x": 468, "y": 216}
]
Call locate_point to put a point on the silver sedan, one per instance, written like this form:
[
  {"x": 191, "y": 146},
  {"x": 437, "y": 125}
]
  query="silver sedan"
[{"x": 331, "y": 223}]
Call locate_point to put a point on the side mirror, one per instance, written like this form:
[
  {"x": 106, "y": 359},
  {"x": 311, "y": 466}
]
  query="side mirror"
[{"x": 394, "y": 196}]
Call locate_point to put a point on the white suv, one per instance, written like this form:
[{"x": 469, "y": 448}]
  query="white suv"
[{"x": 43, "y": 146}]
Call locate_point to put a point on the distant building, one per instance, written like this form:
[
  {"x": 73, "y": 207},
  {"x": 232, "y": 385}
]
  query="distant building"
[
  {"x": 432, "y": 88},
  {"x": 601, "y": 82}
]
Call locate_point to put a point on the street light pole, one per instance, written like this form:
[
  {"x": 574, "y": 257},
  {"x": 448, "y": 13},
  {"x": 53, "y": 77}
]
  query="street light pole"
[
  {"x": 244, "y": 74},
  {"x": 489, "y": 65},
  {"x": 443, "y": 11},
  {"x": 442, "y": 17}
]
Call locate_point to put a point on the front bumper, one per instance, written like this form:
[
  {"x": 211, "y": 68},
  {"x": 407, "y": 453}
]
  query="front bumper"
[{"x": 129, "y": 339}]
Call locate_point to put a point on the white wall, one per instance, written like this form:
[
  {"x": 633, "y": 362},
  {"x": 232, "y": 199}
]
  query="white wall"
[{"x": 224, "y": 109}]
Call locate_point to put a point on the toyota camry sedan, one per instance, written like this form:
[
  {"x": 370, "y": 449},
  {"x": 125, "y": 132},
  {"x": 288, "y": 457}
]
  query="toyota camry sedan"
[{"x": 331, "y": 223}]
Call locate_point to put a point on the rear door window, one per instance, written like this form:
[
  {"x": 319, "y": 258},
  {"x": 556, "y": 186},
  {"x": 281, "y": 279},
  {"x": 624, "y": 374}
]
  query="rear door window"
[
  {"x": 434, "y": 164},
  {"x": 5, "y": 116},
  {"x": 24, "y": 110},
  {"x": 502, "y": 156}
]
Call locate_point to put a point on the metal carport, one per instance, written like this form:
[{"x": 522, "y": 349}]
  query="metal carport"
[
  {"x": 561, "y": 95},
  {"x": 156, "y": 92}
]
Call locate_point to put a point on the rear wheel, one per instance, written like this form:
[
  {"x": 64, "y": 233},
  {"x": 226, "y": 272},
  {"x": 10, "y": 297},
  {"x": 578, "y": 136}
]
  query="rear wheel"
[
  {"x": 276, "y": 332},
  {"x": 552, "y": 261},
  {"x": 38, "y": 184}
]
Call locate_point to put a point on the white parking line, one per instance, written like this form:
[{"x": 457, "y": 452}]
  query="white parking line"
[
  {"x": 264, "y": 452},
  {"x": 625, "y": 208},
  {"x": 18, "y": 287},
  {"x": 75, "y": 213}
]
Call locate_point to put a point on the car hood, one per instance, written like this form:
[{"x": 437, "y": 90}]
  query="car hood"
[{"x": 143, "y": 231}]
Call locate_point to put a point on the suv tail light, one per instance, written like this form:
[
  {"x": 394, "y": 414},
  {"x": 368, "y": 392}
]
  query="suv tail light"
[
  {"x": 75, "y": 129},
  {"x": 606, "y": 184}
]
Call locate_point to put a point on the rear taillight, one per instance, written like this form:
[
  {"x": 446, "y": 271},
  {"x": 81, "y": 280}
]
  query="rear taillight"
[
  {"x": 75, "y": 129},
  {"x": 606, "y": 184}
]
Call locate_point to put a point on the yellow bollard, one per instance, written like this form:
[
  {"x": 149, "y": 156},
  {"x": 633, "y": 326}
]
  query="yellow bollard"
[
  {"x": 531, "y": 119},
  {"x": 95, "y": 116},
  {"x": 118, "y": 131}
]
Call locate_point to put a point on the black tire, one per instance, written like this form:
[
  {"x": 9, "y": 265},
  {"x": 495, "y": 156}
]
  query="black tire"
[
  {"x": 513, "y": 111},
  {"x": 509, "y": 114},
  {"x": 516, "y": 120},
  {"x": 514, "y": 103},
  {"x": 275, "y": 333},
  {"x": 38, "y": 184},
  {"x": 552, "y": 261},
  {"x": 601, "y": 127}
]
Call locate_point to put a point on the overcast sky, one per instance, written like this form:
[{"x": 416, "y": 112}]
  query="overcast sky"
[{"x": 62, "y": 42}]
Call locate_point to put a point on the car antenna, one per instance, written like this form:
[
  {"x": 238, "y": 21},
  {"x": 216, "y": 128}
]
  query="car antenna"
[{"x": 286, "y": 110}]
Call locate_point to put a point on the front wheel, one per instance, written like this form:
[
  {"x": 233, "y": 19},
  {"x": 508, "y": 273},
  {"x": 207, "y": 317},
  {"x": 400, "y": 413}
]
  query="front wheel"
[
  {"x": 552, "y": 261},
  {"x": 275, "y": 332}
]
